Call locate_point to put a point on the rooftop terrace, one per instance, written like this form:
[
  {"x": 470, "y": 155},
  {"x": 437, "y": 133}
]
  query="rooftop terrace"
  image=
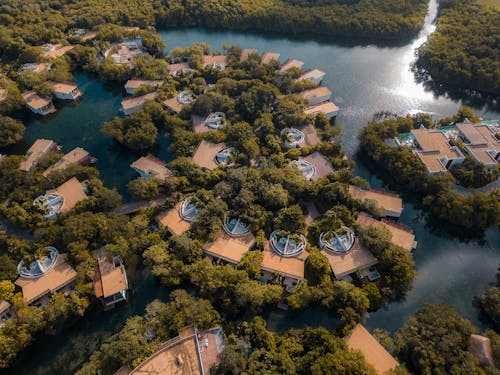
[{"x": 205, "y": 154}]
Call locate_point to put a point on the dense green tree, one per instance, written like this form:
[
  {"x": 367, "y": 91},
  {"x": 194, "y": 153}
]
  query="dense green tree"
[
  {"x": 11, "y": 131},
  {"x": 136, "y": 131}
]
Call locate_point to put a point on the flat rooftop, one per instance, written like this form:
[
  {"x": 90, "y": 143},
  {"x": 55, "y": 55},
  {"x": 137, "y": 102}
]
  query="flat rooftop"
[
  {"x": 311, "y": 137},
  {"x": 270, "y": 56},
  {"x": 214, "y": 60},
  {"x": 291, "y": 63},
  {"x": 109, "y": 280},
  {"x": 63, "y": 87},
  {"x": 312, "y": 74},
  {"x": 400, "y": 235},
  {"x": 173, "y": 104},
  {"x": 57, "y": 50},
  {"x": 34, "y": 100},
  {"x": 247, "y": 52},
  {"x": 357, "y": 258},
  {"x": 76, "y": 156},
  {"x": 138, "y": 101},
  {"x": 315, "y": 93},
  {"x": 228, "y": 248},
  {"x": 175, "y": 68},
  {"x": 199, "y": 125},
  {"x": 60, "y": 275},
  {"x": 482, "y": 143},
  {"x": 172, "y": 220},
  {"x": 204, "y": 156},
  {"x": 72, "y": 192},
  {"x": 292, "y": 267},
  {"x": 152, "y": 166},
  {"x": 37, "y": 150},
  {"x": 386, "y": 200},
  {"x": 136, "y": 83},
  {"x": 321, "y": 164},
  {"x": 325, "y": 107}
]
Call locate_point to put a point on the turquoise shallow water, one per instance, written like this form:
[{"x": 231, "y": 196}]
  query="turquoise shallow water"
[{"x": 365, "y": 79}]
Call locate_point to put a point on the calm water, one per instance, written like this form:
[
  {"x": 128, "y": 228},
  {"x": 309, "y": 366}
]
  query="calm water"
[{"x": 365, "y": 79}]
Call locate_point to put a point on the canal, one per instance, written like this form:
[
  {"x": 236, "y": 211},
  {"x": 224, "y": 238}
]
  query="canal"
[{"x": 365, "y": 79}]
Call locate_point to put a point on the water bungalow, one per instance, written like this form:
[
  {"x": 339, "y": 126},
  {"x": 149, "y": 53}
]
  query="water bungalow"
[
  {"x": 65, "y": 90},
  {"x": 389, "y": 203},
  {"x": 62, "y": 199},
  {"x": 231, "y": 245},
  {"x": 177, "y": 220},
  {"x": 205, "y": 154},
  {"x": 76, "y": 156},
  {"x": 329, "y": 109},
  {"x": 150, "y": 166},
  {"x": 317, "y": 95},
  {"x": 52, "y": 51},
  {"x": 291, "y": 63},
  {"x": 193, "y": 352},
  {"x": 37, "y": 151},
  {"x": 131, "y": 105},
  {"x": 133, "y": 84},
  {"x": 45, "y": 276},
  {"x": 374, "y": 353},
  {"x": 313, "y": 166},
  {"x": 38, "y": 104},
  {"x": 312, "y": 75},
  {"x": 346, "y": 255},
  {"x": 270, "y": 56},
  {"x": 110, "y": 280},
  {"x": 400, "y": 235},
  {"x": 481, "y": 142},
  {"x": 284, "y": 254}
]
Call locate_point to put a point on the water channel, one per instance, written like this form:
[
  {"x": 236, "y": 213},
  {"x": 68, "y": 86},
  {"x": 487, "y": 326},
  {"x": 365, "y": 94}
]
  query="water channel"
[{"x": 365, "y": 79}]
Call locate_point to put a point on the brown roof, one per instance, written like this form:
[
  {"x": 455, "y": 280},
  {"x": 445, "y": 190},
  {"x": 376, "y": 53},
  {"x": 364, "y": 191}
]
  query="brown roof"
[
  {"x": 39, "y": 149},
  {"x": 60, "y": 275},
  {"x": 343, "y": 264},
  {"x": 136, "y": 83},
  {"x": 292, "y": 267},
  {"x": 247, "y": 52},
  {"x": 321, "y": 164},
  {"x": 313, "y": 73},
  {"x": 374, "y": 353},
  {"x": 204, "y": 156},
  {"x": 291, "y": 63},
  {"x": 153, "y": 166},
  {"x": 219, "y": 59},
  {"x": 174, "y": 105},
  {"x": 108, "y": 279},
  {"x": 230, "y": 249},
  {"x": 173, "y": 68},
  {"x": 171, "y": 220},
  {"x": 269, "y": 56},
  {"x": 480, "y": 347},
  {"x": 191, "y": 353},
  {"x": 57, "y": 50},
  {"x": 3, "y": 94},
  {"x": 199, "y": 125},
  {"x": 34, "y": 100},
  {"x": 315, "y": 93},
  {"x": 63, "y": 87},
  {"x": 325, "y": 107},
  {"x": 387, "y": 201},
  {"x": 4, "y": 305},
  {"x": 401, "y": 235},
  {"x": 137, "y": 101},
  {"x": 483, "y": 142},
  {"x": 72, "y": 191},
  {"x": 310, "y": 134},
  {"x": 76, "y": 156}
]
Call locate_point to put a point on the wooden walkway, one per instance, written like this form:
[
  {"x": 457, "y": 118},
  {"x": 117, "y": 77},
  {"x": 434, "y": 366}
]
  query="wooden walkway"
[{"x": 132, "y": 207}]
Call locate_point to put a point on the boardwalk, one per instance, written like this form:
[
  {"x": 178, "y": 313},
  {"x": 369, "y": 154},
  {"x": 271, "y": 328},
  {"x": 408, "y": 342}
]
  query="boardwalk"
[{"x": 136, "y": 206}]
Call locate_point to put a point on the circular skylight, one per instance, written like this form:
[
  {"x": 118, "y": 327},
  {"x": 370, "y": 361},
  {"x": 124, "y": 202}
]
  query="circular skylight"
[
  {"x": 340, "y": 241},
  {"x": 39, "y": 266},
  {"x": 286, "y": 244}
]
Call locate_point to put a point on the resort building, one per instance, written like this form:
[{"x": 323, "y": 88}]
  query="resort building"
[
  {"x": 132, "y": 105},
  {"x": 45, "y": 276},
  {"x": 389, "y": 203},
  {"x": 38, "y": 104},
  {"x": 300, "y": 136},
  {"x": 133, "y": 84},
  {"x": 76, "y": 156},
  {"x": 36, "y": 67},
  {"x": 150, "y": 166},
  {"x": 219, "y": 61},
  {"x": 232, "y": 243},
  {"x": 329, "y": 109},
  {"x": 316, "y": 96},
  {"x": 284, "y": 254},
  {"x": 199, "y": 125},
  {"x": 110, "y": 280},
  {"x": 400, "y": 235},
  {"x": 62, "y": 199},
  {"x": 246, "y": 53},
  {"x": 480, "y": 347},
  {"x": 193, "y": 352},
  {"x": 65, "y": 90},
  {"x": 480, "y": 142},
  {"x": 313, "y": 166},
  {"x": 52, "y": 51},
  {"x": 346, "y": 255},
  {"x": 313, "y": 75},
  {"x": 205, "y": 154},
  {"x": 177, "y": 220},
  {"x": 84, "y": 34},
  {"x": 179, "y": 68},
  {"x": 6, "y": 312},
  {"x": 178, "y": 102},
  {"x": 289, "y": 64},
  {"x": 270, "y": 56},
  {"x": 37, "y": 151},
  {"x": 125, "y": 52},
  {"x": 216, "y": 120},
  {"x": 374, "y": 353},
  {"x": 433, "y": 148}
]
